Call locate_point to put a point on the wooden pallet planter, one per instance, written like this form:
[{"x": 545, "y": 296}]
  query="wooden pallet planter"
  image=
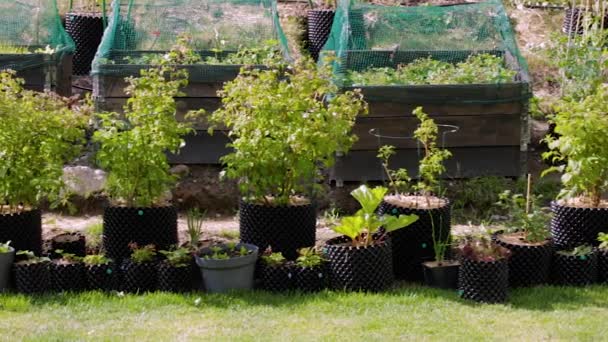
[
  {"x": 493, "y": 130},
  {"x": 41, "y": 71}
]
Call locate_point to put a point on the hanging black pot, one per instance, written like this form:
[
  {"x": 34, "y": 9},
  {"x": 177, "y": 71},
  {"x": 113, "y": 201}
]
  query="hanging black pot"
[
  {"x": 529, "y": 263},
  {"x": 311, "y": 279},
  {"x": 359, "y": 268},
  {"x": 32, "y": 278},
  {"x": 104, "y": 277},
  {"x": 286, "y": 228},
  {"x": 278, "y": 278},
  {"x": 139, "y": 277},
  {"x": 572, "y": 226},
  {"x": 319, "y": 27},
  {"x": 23, "y": 229},
  {"x": 174, "y": 279},
  {"x": 73, "y": 243},
  {"x": 123, "y": 225},
  {"x": 413, "y": 244},
  {"x": 68, "y": 276},
  {"x": 484, "y": 281},
  {"x": 443, "y": 276},
  {"x": 87, "y": 30},
  {"x": 575, "y": 270},
  {"x": 602, "y": 262}
]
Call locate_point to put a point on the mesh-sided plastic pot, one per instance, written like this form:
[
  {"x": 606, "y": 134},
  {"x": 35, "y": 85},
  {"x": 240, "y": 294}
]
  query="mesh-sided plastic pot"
[
  {"x": 359, "y": 268},
  {"x": 319, "y": 26},
  {"x": 68, "y": 277},
  {"x": 574, "y": 270},
  {"x": 32, "y": 278},
  {"x": 6, "y": 264},
  {"x": 602, "y": 266},
  {"x": 571, "y": 226},
  {"x": 123, "y": 225},
  {"x": 413, "y": 244},
  {"x": 174, "y": 279},
  {"x": 228, "y": 274},
  {"x": 87, "y": 30},
  {"x": 72, "y": 243},
  {"x": 139, "y": 277},
  {"x": 278, "y": 278},
  {"x": 104, "y": 277},
  {"x": 24, "y": 230},
  {"x": 312, "y": 279},
  {"x": 484, "y": 281},
  {"x": 573, "y": 21},
  {"x": 529, "y": 263},
  {"x": 285, "y": 228},
  {"x": 444, "y": 276}
]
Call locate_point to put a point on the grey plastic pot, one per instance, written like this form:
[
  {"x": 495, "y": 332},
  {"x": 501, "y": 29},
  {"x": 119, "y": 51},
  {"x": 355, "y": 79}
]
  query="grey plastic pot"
[
  {"x": 228, "y": 274},
  {"x": 6, "y": 263}
]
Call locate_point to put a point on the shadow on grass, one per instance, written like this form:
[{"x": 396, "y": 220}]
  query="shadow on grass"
[{"x": 549, "y": 298}]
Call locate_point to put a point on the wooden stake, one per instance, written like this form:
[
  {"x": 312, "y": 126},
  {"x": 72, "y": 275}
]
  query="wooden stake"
[{"x": 529, "y": 189}]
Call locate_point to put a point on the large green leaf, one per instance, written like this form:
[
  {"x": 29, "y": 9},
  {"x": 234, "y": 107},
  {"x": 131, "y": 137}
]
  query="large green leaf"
[
  {"x": 351, "y": 226},
  {"x": 392, "y": 223},
  {"x": 369, "y": 199}
]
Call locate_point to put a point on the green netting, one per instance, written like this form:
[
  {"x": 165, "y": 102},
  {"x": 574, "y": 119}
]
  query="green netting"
[
  {"x": 140, "y": 27},
  {"x": 368, "y": 36},
  {"x": 28, "y": 27}
]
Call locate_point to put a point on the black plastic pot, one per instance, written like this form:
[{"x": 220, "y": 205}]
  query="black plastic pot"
[
  {"x": 278, "y": 278},
  {"x": 285, "y": 228},
  {"x": 359, "y": 268},
  {"x": 68, "y": 277},
  {"x": 32, "y": 278},
  {"x": 73, "y": 243},
  {"x": 444, "y": 276},
  {"x": 139, "y": 277},
  {"x": 319, "y": 27},
  {"x": 413, "y": 244},
  {"x": 174, "y": 279},
  {"x": 572, "y": 227},
  {"x": 24, "y": 230},
  {"x": 311, "y": 279},
  {"x": 529, "y": 264},
  {"x": 87, "y": 30},
  {"x": 574, "y": 270},
  {"x": 123, "y": 225},
  {"x": 602, "y": 266},
  {"x": 484, "y": 281},
  {"x": 573, "y": 21},
  {"x": 103, "y": 277}
]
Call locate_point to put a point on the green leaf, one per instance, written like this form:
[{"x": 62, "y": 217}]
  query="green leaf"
[
  {"x": 392, "y": 223},
  {"x": 369, "y": 199},
  {"x": 351, "y": 226}
]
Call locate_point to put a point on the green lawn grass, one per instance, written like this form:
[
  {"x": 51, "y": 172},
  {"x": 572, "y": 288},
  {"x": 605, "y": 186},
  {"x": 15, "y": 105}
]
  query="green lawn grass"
[{"x": 405, "y": 313}]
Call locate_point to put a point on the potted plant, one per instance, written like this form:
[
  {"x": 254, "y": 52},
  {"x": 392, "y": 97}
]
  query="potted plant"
[
  {"x": 7, "y": 255},
  {"x": 602, "y": 257},
  {"x": 32, "y": 172},
  {"x": 133, "y": 150},
  {"x": 140, "y": 270},
  {"x": 576, "y": 266},
  {"x": 85, "y": 23},
  {"x": 229, "y": 266},
  {"x": 580, "y": 212},
  {"x": 195, "y": 219},
  {"x": 361, "y": 259},
  {"x": 441, "y": 272},
  {"x": 68, "y": 272},
  {"x": 320, "y": 20},
  {"x": 175, "y": 272},
  {"x": 484, "y": 270},
  {"x": 283, "y": 130},
  {"x": 277, "y": 272},
  {"x": 31, "y": 273},
  {"x": 415, "y": 245},
  {"x": 101, "y": 271},
  {"x": 69, "y": 242},
  {"x": 528, "y": 238},
  {"x": 310, "y": 270}
]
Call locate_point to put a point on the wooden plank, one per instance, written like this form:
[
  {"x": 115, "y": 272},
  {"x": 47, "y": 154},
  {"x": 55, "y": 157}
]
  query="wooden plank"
[
  {"x": 113, "y": 86},
  {"x": 387, "y": 108},
  {"x": 62, "y": 82},
  {"x": 202, "y": 148},
  {"x": 467, "y": 162},
  {"x": 486, "y": 130}
]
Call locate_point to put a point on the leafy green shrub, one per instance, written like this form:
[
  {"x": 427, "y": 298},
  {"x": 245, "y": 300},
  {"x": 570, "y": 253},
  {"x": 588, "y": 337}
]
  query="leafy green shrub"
[
  {"x": 31, "y": 258},
  {"x": 580, "y": 251},
  {"x": 284, "y": 128},
  {"x": 603, "y": 240},
  {"x": 227, "y": 251},
  {"x": 273, "y": 259},
  {"x": 309, "y": 257},
  {"x": 142, "y": 254},
  {"x": 361, "y": 227},
  {"x": 582, "y": 144},
  {"x": 67, "y": 258},
  {"x": 39, "y": 133},
  {"x": 96, "y": 259},
  {"x": 178, "y": 257},
  {"x": 533, "y": 222},
  {"x": 478, "y": 68}
]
